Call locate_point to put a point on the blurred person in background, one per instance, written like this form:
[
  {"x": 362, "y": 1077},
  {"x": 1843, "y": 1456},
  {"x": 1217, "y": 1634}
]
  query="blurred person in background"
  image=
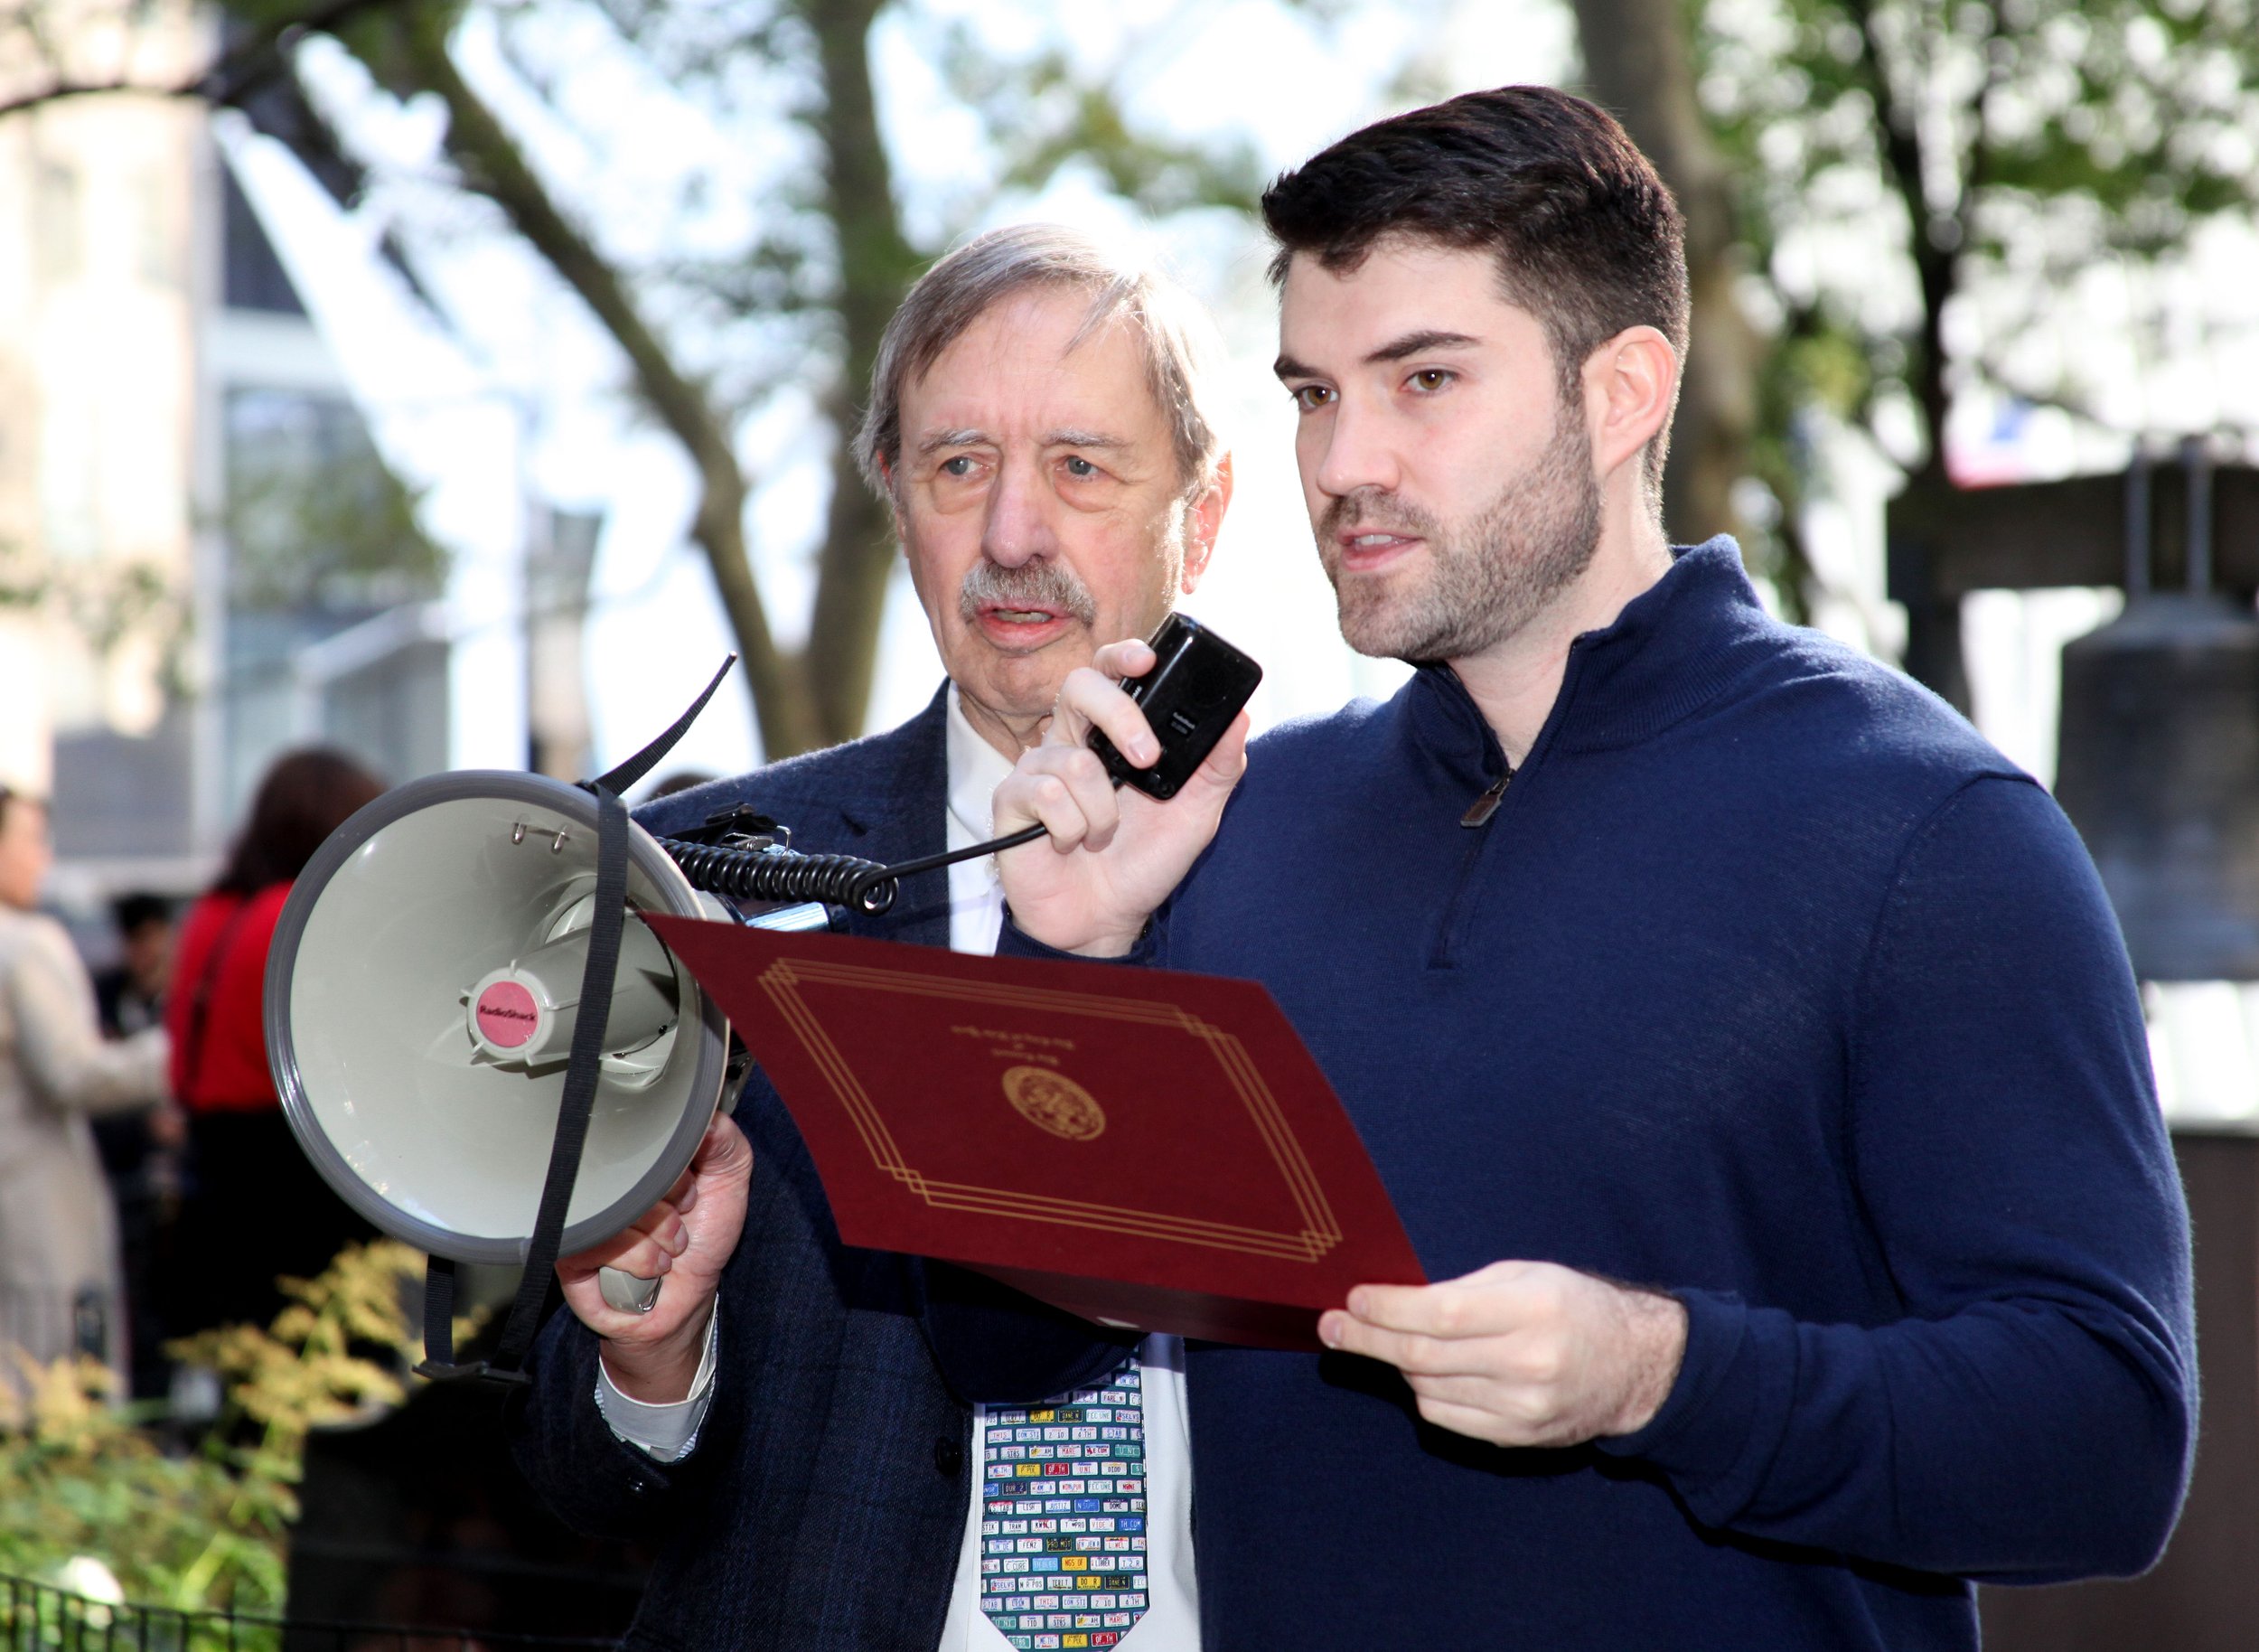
[
  {"x": 59, "y": 1272},
  {"x": 140, "y": 1149},
  {"x": 130, "y": 993},
  {"x": 252, "y": 1207}
]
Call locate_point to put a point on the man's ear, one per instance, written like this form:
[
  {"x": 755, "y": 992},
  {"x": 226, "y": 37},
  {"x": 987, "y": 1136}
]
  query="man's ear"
[
  {"x": 1202, "y": 519},
  {"x": 1631, "y": 383}
]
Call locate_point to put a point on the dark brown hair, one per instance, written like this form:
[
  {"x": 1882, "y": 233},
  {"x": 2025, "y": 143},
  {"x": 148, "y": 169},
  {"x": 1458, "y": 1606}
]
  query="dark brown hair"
[
  {"x": 304, "y": 797},
  {"x": 1586, "y": 238}
]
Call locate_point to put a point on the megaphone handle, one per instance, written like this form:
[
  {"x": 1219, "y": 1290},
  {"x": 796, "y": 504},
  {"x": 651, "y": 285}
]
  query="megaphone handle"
[{"x": 628, "y": 1293}]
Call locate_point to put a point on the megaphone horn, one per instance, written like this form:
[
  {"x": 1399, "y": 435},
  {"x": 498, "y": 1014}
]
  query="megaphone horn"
[{"x": 477, "y": 1045}]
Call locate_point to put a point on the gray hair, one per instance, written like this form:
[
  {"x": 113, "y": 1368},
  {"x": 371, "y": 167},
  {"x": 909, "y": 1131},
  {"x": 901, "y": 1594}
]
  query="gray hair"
[{"x": 1176, "y": 333}]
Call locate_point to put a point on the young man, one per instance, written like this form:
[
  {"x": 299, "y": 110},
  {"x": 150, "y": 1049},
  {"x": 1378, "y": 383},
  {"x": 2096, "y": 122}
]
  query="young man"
[
  {"x": 1036, "y": 425},
  {"x": 1748, "y": 1046}
]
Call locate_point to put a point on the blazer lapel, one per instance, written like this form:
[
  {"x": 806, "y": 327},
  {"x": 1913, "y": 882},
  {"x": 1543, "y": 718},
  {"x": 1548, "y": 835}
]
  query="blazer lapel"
[
  {"x": 883, "y": 798},
  {"x": 909, "y": 821},
  {"x": 893, "y": 807}
]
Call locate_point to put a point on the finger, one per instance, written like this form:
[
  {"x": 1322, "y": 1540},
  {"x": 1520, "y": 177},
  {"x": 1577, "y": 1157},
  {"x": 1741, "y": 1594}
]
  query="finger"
[
  {"x": 662, "y": 1222},
  {"x": 1410, "y": 1354},
  {"x": 1452, "y": 1310},
  {"x": 1471, "y": 1421},
  {"x": 661, "y": 1231},
  {"x": 724, "y": 1150},
  {"x": 631, "y": 1252},
  {"x": 1221, "y": 770},
  {"x": 1039, "y": 789},
  {"x": 1092, "y": 789},
  {"x": 1132, "y": 657},
  {"x": 1070, "y": 719},
  {"x": 717, "y": 1154},
  {"x": 1088, "y": 700},
  {"x": 1475, "y": 1393}
]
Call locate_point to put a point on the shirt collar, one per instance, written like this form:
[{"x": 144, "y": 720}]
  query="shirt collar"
[
  {"x": 976, "y": 769},
  {"x": 1674, "y": 648}
]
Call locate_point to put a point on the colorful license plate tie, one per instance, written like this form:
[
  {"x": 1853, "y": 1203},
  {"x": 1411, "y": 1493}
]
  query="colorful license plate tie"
[{"x": 1063, "y": 1555}]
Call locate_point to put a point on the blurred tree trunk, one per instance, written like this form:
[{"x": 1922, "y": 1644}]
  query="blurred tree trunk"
[
  {"x": 876, "y": 267},
  {"x": 1639, "y": 62},
  {"x": 414, "y": 40}
]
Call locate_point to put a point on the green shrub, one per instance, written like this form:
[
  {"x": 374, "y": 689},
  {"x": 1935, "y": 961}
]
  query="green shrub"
[{"x": 207, "y": 1526}]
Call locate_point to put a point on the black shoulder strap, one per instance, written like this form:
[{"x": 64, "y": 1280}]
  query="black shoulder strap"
[
  {"x": 583, "y": 1069},
  {"x": 642, "y": 764}
]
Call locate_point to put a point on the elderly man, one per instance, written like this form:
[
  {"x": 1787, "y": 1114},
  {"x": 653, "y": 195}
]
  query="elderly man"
[
  {"x": 1035, "y": 425},
  {"x": 1748, "y": 1046}
]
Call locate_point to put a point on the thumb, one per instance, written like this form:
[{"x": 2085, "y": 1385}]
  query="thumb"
[
  {"x": 1222, "y": 769},
  {"x": 724, "y": 1151}
]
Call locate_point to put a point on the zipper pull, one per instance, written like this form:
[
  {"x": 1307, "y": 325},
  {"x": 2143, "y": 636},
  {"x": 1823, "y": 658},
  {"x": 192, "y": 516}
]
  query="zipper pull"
[{"x": 1479, "y": 812}]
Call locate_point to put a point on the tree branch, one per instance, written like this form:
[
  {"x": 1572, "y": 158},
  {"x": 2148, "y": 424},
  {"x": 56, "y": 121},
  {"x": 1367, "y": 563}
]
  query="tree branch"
[
  {"x": 876, "y": 265},
  {"x": 231, "y": 77},
  {"x": 1935, "y": 267},
  {"x": 495, "y": 167}
]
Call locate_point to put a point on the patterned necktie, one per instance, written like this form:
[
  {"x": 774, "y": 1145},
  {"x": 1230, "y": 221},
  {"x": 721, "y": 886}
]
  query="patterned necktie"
[{"x": 1063, "y": 1556}]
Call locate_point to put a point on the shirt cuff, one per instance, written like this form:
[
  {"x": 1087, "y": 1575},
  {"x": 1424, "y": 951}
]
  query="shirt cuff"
[
  {"x": 1719, "y": 1429},
  {"x": 665, "y": 1432},
  {"x": 1013, "y": 941}
]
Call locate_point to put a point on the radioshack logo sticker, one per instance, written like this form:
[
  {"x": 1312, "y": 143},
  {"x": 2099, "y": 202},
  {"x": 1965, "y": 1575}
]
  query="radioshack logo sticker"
[{"x": 507, "y": 1015}]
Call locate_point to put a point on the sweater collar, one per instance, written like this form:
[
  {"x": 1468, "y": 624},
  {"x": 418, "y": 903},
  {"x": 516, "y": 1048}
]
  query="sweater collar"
[{"x": 1674, "y": 648}]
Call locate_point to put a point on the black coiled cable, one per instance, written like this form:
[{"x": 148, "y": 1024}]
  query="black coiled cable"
[
  {"x": 765, "y": 875},
  {"x": 838, "y": 880}
]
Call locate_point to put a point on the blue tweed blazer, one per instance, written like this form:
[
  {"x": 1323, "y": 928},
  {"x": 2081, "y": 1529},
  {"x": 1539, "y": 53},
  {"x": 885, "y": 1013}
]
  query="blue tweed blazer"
[{"x": 824, "y": 1503}]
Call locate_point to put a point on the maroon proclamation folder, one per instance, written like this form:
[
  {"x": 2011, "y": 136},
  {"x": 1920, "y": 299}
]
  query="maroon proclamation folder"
[{"x": 1139, "y": 1147}]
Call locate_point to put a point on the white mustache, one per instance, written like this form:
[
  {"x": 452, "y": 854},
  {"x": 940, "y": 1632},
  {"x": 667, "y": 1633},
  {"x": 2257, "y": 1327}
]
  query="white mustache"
[{"x": 1031, "y": 585}]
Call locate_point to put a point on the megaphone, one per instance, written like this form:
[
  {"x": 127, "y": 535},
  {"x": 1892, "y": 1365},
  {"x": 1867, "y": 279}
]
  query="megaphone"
[
  {"x": 424, "y": 1020},
  {"x": 422, "y": 996}
]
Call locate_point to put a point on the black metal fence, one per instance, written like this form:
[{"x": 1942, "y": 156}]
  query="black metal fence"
[{"x": 42, "y": 1618}]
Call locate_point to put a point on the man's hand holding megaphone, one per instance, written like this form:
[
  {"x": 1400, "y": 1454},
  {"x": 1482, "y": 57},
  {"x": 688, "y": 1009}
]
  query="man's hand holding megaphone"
[
  {"x": 686, "y": 1239},
  {"x": 1113, "y": 855}
]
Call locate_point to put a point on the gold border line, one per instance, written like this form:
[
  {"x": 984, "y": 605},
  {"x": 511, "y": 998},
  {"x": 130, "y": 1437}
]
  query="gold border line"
[{"x": 1320, "y": 1233}]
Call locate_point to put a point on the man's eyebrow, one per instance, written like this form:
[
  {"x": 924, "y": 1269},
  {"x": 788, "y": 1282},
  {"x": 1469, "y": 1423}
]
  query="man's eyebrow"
[
  {"x": 1084, "y": 438},
  {"x": 940, "y": 440},
  {"x": 1395, "y": 349},
  {"x": 1418, "y": 344}
]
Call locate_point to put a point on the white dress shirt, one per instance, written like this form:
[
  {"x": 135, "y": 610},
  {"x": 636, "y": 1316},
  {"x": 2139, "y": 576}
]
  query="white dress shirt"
[{"x": 1171, "y": 1622}]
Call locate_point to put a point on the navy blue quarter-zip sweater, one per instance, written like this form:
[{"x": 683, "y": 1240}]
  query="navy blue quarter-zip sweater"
[{"x": 1769, "y": 983}]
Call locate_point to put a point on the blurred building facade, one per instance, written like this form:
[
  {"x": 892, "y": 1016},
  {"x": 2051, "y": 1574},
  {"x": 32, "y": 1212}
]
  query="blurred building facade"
[{"x": 203, "y": 560}]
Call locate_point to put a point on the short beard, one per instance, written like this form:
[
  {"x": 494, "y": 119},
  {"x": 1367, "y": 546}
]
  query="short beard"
[{"x": 1488, "y": 577}]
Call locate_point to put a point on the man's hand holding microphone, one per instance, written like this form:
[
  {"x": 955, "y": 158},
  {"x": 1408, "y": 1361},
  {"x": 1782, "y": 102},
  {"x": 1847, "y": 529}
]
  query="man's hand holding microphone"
[{"x": 1112, "y": 857}]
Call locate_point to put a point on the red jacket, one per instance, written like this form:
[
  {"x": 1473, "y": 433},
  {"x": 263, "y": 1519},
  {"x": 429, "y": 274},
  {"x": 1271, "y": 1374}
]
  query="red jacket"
[{"x": 221, "y": 963}]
